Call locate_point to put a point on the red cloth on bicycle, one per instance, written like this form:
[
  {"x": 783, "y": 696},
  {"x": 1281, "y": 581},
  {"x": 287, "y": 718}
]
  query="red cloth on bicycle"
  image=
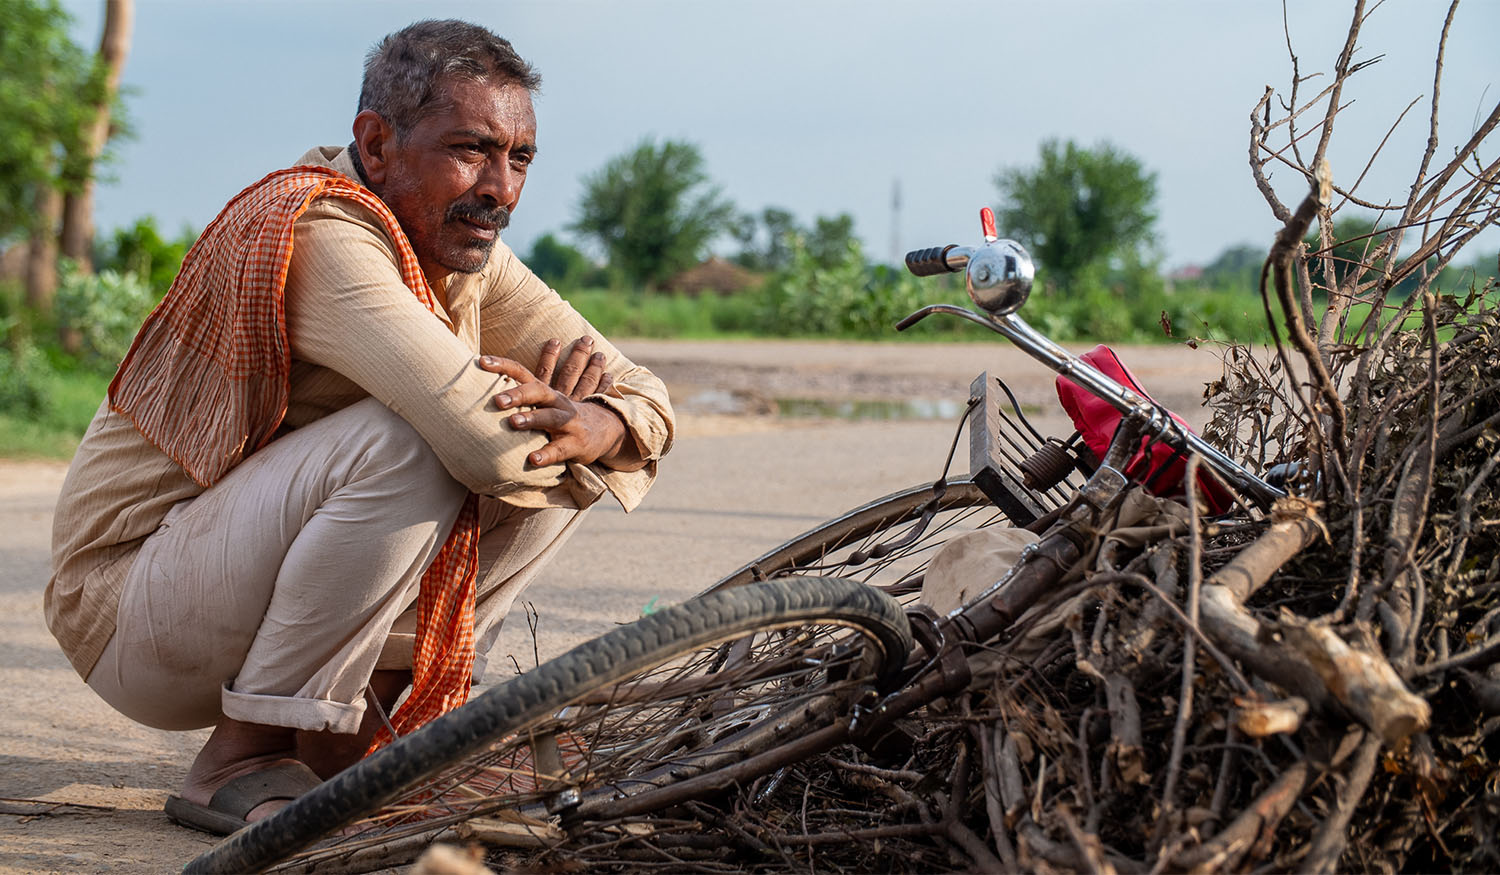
[
  {"x": 206, "y": 381},
  {"x": 1096, "y": 420}
]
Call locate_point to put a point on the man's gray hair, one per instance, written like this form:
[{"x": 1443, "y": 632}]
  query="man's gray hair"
[{"x": 405, "y": 72}]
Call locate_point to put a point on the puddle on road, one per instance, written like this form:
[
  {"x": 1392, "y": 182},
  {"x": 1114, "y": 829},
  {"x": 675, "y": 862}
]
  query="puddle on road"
[
  {"x": 732, "y": 402},
  {"x": 883, "y": 409}
]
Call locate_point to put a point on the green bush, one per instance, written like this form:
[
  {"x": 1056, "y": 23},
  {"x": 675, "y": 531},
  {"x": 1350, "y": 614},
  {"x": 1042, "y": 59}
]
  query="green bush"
[
  {"x": 623, "y": 313},
  {"x": 1217, "y": 314},
  {"x": 140, "y": 249},
  {"x": 49, "y": 415},
  {"x": 106, "y": 309},
  {"x": 848, "y": 297},
  {"x": 1134, "y": 305},
  {"x": 23, "y": 378},
  {"x": 46, "y": 398},
  {"x": 807, "y": 297}
]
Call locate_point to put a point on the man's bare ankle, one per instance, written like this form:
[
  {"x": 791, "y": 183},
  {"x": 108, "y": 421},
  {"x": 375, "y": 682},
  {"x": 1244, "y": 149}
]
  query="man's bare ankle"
[
  {"x": 388, "y": 685},
  {"x": 235, "y": 748},
  {"x": 329, "y": 753}
]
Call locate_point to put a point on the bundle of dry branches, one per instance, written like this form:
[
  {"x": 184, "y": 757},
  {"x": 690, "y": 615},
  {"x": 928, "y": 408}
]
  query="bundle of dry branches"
[{"x": 1313, "y": 689}]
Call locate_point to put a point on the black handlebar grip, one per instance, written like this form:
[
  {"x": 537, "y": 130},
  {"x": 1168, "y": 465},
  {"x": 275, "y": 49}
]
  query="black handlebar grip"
[{"x": 928, "y": 262}]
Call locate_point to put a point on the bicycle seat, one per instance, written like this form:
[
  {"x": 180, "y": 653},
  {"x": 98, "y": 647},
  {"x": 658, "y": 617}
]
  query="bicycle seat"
[{"x": 1157, "y": 466}]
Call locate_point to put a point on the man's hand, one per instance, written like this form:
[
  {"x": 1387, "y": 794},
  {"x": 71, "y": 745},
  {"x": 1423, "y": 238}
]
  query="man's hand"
[
  {"x": 580, "y": 376},
  {"x": 581, "y": 432}
]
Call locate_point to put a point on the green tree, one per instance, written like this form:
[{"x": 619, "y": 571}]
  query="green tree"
[
  {"x": 830, "y": 239},
  {"x": 776, "y": 252},
  {"x": 101, "y": 121},
  {"x": 827, "y": 242},
  {"x": 653, "y": 211},
  {"x": 41, "y": 74},
  {"x": 1237, "y": 267},
  {"x": 559, "y": 264},
  {"x": 1356, "y": 235},
  {"x": 56, "y": 106},
  {"x": 1079, "y": 210}
]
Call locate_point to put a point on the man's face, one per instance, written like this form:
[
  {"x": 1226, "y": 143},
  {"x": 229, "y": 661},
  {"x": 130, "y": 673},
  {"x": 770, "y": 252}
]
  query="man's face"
[{"x": 454, "y": 179}]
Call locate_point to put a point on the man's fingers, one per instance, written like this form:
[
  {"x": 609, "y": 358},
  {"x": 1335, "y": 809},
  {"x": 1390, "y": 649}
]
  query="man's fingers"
[
  {"x": 577, "y": 432},
  {"x": 532, "y": 394},
  {"x": 548, "y": 360},
  {"x": 509, "y": 367},
  {"x": 548, "y": 419},
  {"x": 573, "y": 366},
  {"x": 555, "y": 453},
  {"x": 591, "y": 379},
  {"x": 560, "y": 424}
]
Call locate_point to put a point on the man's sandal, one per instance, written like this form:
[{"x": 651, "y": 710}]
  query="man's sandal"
[{"x": 225, "y": 812}]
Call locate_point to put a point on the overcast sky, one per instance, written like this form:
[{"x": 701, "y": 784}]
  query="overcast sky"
[{"x": 818, "y": 107}]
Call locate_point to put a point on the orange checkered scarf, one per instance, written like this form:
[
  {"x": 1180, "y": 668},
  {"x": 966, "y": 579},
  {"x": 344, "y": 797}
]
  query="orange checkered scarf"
[{"x": 206, "y": 381}]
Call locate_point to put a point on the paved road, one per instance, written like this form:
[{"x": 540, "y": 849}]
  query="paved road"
[{"x": 733, "y": 487}]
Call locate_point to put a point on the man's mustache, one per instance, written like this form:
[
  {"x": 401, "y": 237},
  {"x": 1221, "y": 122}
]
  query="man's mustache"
[{"x": 496, "y": 217}]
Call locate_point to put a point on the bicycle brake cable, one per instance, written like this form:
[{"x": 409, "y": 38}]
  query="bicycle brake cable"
[
  {"x": 1016, "y": 406},
  {"x": 941, "y": 485},
  {"x": 929, "y": 510}
]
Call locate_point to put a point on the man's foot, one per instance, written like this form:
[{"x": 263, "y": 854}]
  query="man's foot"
[
  {"x": 234, "y": 750},
  {"x": 259, "y": 793}
]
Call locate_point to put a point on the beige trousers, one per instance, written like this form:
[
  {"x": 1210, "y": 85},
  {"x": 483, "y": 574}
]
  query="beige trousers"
[{"x": 271, "y": 597}]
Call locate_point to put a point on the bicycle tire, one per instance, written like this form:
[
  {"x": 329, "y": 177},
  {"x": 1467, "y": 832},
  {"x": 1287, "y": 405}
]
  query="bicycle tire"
[
  {"x": 848, "y": 635},
  {"x": 832, "y": 548}
]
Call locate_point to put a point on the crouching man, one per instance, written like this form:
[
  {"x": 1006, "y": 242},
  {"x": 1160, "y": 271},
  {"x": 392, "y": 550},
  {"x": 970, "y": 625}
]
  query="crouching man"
[{"x": 353, "y": 431}]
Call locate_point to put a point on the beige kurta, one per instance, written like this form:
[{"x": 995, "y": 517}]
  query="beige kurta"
[{"x": 357, "y": 331}]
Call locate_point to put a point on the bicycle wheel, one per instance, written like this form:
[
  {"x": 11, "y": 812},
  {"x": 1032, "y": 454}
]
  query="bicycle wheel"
[
  {"x": 678, "y": 694},
  {"x": 878, "y": 543}
]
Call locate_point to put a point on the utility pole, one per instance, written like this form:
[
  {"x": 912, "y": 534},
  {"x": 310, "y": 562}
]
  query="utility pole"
[{"x": 895, "y": 221}]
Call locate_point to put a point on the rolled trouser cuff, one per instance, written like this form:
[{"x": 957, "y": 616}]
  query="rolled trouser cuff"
[{"x": 314, "y": 715}]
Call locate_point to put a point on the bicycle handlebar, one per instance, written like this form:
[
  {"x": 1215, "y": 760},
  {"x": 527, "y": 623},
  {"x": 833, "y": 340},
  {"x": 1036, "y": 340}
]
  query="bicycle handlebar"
[
  {"x": 938, "y": 259},
  {"x": 986, "y": 287}
]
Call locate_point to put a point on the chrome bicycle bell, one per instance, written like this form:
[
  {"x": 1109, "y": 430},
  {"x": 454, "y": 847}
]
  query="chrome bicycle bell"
[
  {"x": 999, "y": 277},
  {"x": 999, "y": 273}
]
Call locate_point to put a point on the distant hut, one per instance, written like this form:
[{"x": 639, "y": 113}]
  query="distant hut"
[{"x": 714, "y": 275}]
